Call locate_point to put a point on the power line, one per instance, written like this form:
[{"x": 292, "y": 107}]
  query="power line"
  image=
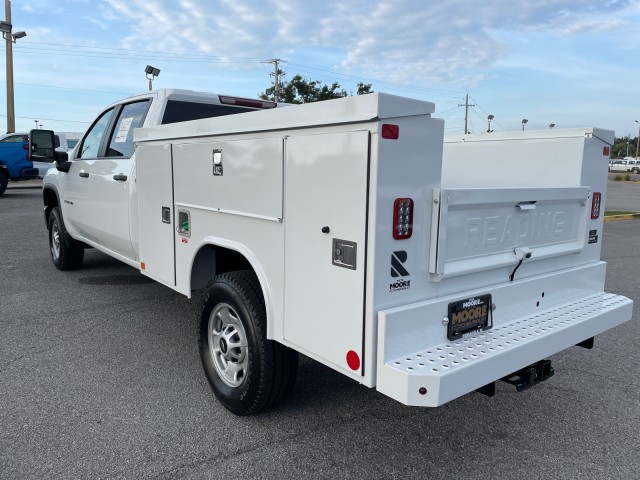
[
  {"x": 50, "y": 119},
  {"x": 70, "y": 88},
  {"x": 128, "y": 50},
  {"x": 484, "y": 111},
  {"x": 134, "y": 56},
  {"x": 73, "y": 50}
]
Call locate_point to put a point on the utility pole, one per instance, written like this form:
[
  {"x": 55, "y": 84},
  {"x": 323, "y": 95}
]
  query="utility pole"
[
  {"x": 466, "y": 106},
  {"x": 11, "y": 116},
  {"x": 276, "y": 77}
]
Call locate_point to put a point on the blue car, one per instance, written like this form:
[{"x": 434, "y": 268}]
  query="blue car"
[{"x": 14, "y": 159}]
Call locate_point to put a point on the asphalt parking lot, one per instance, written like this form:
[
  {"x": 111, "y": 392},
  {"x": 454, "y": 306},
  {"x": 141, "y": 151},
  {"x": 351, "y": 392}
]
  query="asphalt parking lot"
[{"x": 100, "y": 378}]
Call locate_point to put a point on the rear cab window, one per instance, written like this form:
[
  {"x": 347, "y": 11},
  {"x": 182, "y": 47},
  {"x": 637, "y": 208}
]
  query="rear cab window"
[{"x": 182, "y": 111}]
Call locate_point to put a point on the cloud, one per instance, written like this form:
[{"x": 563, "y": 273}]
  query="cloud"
[{"x": 399, "y": 41}]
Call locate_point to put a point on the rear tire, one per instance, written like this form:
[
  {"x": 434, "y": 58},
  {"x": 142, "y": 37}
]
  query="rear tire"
[
  {"x": 66, "y": 253},
  {"x": 3, "y": 183},
  {"x": 246, "y": 372}
]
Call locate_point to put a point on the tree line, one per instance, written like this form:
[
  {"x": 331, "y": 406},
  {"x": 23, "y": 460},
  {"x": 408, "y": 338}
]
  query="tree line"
[{"x": 300, "y": 90}]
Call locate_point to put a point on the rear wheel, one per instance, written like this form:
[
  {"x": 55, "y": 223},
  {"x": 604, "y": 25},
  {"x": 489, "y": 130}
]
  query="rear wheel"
[
  {"x": 66, "y": 253},
  {"x": 3, "y": 183},
  {"x": 247, "y": 372}
]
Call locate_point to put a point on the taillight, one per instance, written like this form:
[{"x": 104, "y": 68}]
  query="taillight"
[
  {"x": 26, "y": 147},
  {"x": 390, "y": 131},
  {"x": 595, "y": 205},
  {"x": 402, "y": 218}
]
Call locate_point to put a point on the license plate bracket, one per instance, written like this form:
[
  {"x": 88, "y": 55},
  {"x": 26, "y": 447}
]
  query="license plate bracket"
[{"x": 468, "y": 316}]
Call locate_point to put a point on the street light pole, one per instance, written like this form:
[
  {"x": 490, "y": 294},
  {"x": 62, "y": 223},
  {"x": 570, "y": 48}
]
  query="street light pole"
[
  {"x": 638, "y": 144},
  {"x": 524, "y": 120},
  {"x": 489, "y": 118},
  {"x": 11, "y": 116},
  {"x": 152, "y": 72}
]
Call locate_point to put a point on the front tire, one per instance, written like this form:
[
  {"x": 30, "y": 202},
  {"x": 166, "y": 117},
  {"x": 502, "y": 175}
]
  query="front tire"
[
  {"x": 66, "y": 253},
  {"x": 247, "y": 372}
]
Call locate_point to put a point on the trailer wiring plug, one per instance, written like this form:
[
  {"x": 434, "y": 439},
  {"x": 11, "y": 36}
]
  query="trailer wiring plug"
[{"x": 521, "y": 254}]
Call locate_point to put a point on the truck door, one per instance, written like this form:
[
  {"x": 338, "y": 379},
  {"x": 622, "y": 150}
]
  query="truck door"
[
  {"x": 106, "y": 193},
  {"x": 75, "y": 203},
  {"x": 325, "y": 224}
]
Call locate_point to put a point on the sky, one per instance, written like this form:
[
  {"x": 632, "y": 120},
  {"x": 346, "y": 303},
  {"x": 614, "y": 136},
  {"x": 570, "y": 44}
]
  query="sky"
[{"x": 575, "y": 63}]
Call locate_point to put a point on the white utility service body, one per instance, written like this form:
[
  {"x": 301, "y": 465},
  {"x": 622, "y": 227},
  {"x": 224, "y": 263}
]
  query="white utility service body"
[{"x": 307, "y": 196}]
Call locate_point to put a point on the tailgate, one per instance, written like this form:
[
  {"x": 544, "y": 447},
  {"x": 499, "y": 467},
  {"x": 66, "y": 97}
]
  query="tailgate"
[{"x": 475, "y": 230}]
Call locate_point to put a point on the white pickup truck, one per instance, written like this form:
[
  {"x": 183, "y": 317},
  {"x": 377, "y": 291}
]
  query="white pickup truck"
[{"x": 351, "y": 231}]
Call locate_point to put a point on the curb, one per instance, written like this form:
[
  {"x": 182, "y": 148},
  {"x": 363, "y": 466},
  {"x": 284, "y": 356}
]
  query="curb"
[
  {"x": 619, "y": 218},
  {"x": 25, "y": 187}
]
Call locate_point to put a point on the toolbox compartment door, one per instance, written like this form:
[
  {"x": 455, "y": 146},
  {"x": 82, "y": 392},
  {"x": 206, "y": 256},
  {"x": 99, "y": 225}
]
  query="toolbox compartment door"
[
  {"x": 325, "y": 223},
  {"x": 154, "y": 180},
  {"x": 475, "y": 230}
]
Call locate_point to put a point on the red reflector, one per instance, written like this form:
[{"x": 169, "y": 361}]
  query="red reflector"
[
  {"x": 595, "y": 205},
  {"x": 402, "y": 218},
  {"x": 246, "y": 102},
  {"x": 606, "y": 151},
  {"x": 390, "y": 132},
  {"x": 353, "y": 360}
]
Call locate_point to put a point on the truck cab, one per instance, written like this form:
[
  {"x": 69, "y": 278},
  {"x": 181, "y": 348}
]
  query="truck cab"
[{"x": 96, "y": 188}]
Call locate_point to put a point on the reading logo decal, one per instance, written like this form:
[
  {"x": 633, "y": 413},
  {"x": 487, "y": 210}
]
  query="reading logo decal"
[{"x": 397, "y": 270}]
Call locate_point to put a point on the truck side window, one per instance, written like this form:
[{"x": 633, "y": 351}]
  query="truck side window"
[
  {"x": 131, "y": 117},
  {"x": 91, "y": 143}
]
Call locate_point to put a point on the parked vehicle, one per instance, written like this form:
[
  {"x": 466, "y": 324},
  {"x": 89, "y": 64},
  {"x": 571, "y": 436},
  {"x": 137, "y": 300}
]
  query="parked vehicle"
[
  {"x": 350, "y": 231},
  {"x": 15, "y": 164},
  {"x": 625, "y": 165}
]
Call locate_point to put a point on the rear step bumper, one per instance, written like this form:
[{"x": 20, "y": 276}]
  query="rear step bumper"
[{"x": 433, "y": 376}]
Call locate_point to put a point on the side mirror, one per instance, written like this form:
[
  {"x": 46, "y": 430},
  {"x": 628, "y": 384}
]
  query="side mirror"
[{"x": 42, "y": 146}]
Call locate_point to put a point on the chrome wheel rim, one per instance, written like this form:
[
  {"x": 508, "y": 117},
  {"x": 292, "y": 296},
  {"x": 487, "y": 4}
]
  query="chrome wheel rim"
[
  {"x": 55, "y": 240},
  {"x": 228, "y": 345}
]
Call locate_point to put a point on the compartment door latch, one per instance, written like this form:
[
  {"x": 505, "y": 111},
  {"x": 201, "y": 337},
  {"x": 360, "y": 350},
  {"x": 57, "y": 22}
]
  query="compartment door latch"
[{"x": 344, "y": 253}]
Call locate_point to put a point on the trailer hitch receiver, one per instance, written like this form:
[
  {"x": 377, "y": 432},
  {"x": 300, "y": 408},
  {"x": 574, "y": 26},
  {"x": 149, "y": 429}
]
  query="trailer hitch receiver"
[{"x": 531, "y": 375}]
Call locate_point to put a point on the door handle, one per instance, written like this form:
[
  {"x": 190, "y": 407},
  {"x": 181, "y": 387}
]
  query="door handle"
[
  {"x": 84, "y": 174},
  {"x": 120, "y": 177}
]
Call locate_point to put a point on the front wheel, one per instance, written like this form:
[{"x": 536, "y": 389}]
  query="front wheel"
[
  {"x": 246, "y": 371},
  {"x": 66, "y": 253}
]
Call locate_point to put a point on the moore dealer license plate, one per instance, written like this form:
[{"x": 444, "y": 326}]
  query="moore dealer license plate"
[{"x": 468, "y": 316}]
